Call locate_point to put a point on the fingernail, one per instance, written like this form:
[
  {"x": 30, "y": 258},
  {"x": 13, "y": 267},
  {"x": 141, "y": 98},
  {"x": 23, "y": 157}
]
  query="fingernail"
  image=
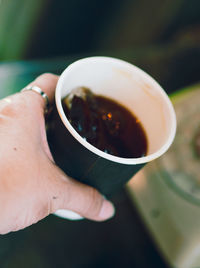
[{"x": 107, "y": 210}]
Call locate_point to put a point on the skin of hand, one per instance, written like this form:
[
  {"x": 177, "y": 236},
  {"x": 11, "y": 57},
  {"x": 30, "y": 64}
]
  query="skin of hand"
[{"x": 31, "y": 185}]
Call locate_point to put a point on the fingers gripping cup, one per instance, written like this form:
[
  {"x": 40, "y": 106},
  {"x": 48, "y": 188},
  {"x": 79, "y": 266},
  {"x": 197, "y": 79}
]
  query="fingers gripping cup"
[{"x": 135, "y": 90}]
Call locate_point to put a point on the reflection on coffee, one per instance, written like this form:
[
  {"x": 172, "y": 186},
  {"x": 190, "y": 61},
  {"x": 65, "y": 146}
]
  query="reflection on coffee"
[{"x": 105, "y": 123}]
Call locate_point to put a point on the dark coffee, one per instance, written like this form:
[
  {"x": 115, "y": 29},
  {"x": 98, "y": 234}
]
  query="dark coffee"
[{"x": 105, "y": 123}]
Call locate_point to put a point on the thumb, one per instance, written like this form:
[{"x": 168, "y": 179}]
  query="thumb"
[{"x": 67, "y": 193}]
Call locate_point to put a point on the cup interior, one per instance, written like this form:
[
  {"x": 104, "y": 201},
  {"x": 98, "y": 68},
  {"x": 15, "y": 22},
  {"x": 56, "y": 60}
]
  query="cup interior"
[{"x": 131, "y": 87}]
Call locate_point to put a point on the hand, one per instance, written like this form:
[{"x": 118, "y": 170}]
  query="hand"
[{"x": 31, "y": 185}]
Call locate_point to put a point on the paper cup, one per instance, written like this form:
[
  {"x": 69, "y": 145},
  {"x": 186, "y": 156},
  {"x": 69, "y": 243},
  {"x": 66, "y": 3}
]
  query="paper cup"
[{"x": 134, "y": 89}]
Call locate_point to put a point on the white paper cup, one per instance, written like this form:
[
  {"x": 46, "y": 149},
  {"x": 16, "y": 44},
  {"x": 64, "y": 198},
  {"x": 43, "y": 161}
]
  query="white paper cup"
[{"x": 135, "y": 90}]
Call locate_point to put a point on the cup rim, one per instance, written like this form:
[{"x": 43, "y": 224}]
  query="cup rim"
[{"x": 92, "y": 148}]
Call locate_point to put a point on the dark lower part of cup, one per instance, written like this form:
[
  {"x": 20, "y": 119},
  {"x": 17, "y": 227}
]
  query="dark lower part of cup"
[{"x": 83, "y": 165}]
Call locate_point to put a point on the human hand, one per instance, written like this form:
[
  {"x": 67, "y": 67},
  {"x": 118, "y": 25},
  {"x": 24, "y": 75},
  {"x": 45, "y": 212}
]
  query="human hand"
[{"x": 31, "y": 185}]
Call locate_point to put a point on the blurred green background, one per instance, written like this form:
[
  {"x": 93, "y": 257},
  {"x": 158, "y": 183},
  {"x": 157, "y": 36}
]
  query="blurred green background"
[{"x": 162, "y": 37}]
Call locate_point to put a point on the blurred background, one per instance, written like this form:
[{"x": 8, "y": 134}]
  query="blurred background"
[{"x": 161, "y": 37}]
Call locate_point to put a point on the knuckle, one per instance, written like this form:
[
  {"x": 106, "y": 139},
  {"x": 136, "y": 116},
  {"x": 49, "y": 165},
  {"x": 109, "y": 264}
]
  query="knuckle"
[
  {"x": 11, "y": 109},
  {"x": 59, "y": 194},
  {"x": 94, "y": 204},
  {"x": 47, "y": 76},
  {"x": 8, "y": 110}
]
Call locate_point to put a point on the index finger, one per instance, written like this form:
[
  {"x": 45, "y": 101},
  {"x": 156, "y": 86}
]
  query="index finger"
[{"x": 47, "y": 83}]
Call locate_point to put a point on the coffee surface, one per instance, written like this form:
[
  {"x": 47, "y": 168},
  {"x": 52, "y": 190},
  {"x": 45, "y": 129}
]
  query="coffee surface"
[{"x": 105, "y": 123}]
